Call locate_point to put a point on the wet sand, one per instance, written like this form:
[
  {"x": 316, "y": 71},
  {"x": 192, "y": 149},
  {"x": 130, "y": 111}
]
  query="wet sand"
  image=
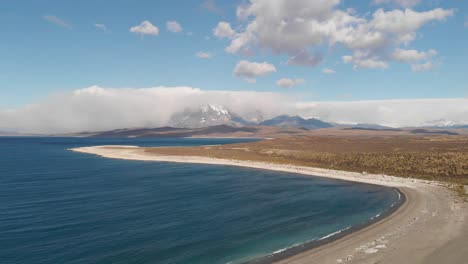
[{"x": 429, "y": 227}]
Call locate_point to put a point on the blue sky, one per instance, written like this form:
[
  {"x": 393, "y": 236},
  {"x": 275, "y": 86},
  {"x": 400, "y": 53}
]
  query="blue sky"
[{"x": 42, "y": 56}]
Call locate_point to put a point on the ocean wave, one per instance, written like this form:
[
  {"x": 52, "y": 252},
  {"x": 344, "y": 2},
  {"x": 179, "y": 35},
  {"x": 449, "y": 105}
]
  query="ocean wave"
[
  {"x": 334, "y": 233},
  {"x": 377, "y": 215}
]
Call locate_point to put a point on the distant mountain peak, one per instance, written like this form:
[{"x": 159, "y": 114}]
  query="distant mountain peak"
[
  {"x": 295, "y": 122},
  {"x": 443, "y": 123},
  {"x": 206, "y": 115},
  {"x": 219, "y": 109}
]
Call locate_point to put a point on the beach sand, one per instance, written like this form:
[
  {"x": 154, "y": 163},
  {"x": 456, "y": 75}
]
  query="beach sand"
[{"x": 430, "y": 227}]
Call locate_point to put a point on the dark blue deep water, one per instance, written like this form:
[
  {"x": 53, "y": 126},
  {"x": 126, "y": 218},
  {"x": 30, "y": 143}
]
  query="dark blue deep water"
[{"x": 57, "y": 206}]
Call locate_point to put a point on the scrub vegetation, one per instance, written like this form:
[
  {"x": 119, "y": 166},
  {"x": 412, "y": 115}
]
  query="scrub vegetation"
[{"x": 442, "y": 158}]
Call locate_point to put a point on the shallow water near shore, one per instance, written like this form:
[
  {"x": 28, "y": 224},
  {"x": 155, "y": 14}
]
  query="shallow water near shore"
[{"x": 59, "y": 206}]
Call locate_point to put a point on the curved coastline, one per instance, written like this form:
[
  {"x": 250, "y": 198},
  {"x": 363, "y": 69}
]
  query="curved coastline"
[
  {"x": 310, "y": 245},
  {"x": 427, "y": 218}
]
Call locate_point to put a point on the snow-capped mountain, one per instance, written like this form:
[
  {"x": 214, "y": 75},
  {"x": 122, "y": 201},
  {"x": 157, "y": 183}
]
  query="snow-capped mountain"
[
  {"x": 206, "y": 115},
  {"x": 215, "y": 115},
  {"x": 443, "y": 123}
]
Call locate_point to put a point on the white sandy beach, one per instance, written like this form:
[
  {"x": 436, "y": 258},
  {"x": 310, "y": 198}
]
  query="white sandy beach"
[{"x": 430, "y": 227}]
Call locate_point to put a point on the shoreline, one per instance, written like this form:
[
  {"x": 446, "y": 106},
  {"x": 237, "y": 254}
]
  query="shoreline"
[
  {"x": 313, "y": 244},
  {"x": 394, "y": 236}
]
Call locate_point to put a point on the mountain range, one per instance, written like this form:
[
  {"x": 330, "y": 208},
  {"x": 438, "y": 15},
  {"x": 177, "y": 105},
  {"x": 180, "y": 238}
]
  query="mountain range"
[
  {"x": 443, "y": 123},
  {"x": 214, "y": 115},
  {"x": 205, "y": 116},
  {"x": 218, "y": 120},
  {"x": 295, "y": 122}
]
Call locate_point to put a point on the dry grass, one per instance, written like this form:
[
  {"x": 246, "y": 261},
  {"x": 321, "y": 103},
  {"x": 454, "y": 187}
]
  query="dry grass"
[{"x": 443, "y": 158}]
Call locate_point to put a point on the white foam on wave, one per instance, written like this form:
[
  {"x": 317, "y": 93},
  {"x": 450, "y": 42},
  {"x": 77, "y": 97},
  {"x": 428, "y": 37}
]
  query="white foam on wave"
[
  {"x": 376, "y": 216},
  {"x": 295, "y": 245},
  {"x": 335, "y": 233},
  {"x": 284, "y": 249},
  {"x": 399, "y": 195},
  {"x": 368, "y": 251}
]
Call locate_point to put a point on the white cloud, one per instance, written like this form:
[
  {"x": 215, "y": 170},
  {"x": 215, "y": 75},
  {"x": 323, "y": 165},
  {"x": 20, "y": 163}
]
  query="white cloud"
[
  {"x": 428, "y": 66},
  {"x": 466, "y": 22},
  {"x": 289, "y": 83},
  {"x": 304, "y": 58},
  {"x": 412, "y": 55},
  {"x": 204, "y": 55},
  {"x": 211, "y": 6},
  {"x": 57, "y": 21},
  {"x": 328, "y": 71},
  {"x": 96, "y": 109},
  {"x": 415, "y": 57},
  {"x": 408, "y": 21},
  {"x": 145, "y": 28},
  {"x": 224, "y": 30},
  {"x": 370, "y": 64},
  {"x": 301, "y": 28},
  {"x": 351, "y": 11},
  {"x": 403, "y": 3},
  {"x": 250, "y": 70},
  {"x": 173, "y": 26},
  {"x": 100, "y": 27},
  {"x": 360, "y": 61},
  {"x": 250, "y": 80}
]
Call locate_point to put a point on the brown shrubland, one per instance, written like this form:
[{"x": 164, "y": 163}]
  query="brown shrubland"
[{"x": 443, "y": 158}]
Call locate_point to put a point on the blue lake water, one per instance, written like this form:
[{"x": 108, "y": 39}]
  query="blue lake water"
[{"x": 58, "y": 206}]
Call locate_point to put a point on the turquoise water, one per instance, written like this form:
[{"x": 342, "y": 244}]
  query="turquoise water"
[{"x": 57, "y": 206}]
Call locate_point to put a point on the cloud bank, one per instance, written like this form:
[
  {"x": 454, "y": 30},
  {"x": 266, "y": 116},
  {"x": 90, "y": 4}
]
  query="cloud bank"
[
  {"x": 96, "y": 109},
  {"x": 394, "y": 113}
]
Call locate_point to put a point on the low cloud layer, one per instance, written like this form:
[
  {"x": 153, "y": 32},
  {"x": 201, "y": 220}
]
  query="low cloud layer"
[
  {"x": 393, "y": 113},
  {"x": 96, "y": 109}
]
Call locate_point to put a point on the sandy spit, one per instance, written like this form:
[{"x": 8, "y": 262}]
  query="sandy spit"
[{"x": 430, "y": 227}]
